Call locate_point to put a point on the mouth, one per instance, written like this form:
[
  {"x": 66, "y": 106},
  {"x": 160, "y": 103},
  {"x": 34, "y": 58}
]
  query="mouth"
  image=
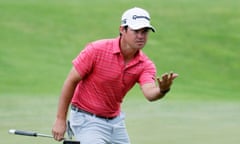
[{"x": 140, "y": 43}]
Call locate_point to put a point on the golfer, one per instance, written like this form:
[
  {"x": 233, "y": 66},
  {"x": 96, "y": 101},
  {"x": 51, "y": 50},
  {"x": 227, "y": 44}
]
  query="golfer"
[{"x": 102, "y": 74}]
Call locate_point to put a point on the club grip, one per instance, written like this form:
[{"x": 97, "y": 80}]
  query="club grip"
[{"x": 25, "y": 133}]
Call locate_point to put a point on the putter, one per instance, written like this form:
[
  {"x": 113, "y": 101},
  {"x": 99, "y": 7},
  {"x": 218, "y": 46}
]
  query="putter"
[
  {"x": 35, "y": 134},
  {"x": 69, "y": 130}
]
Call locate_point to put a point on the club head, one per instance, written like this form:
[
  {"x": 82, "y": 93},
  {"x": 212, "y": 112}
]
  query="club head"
[{"x": 71, "y": 142}]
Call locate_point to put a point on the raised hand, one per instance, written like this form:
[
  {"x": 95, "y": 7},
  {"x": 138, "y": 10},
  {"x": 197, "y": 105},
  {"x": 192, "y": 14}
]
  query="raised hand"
[{"x": 166, "y": 81}]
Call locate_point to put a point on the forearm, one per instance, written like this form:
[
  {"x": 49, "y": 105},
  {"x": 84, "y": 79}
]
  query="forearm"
[
  {"x": 154, "y": 94},
  {"x": 65, "y": 99},
  {"x": 59, "y": 126},
  {"x": 68, "y": 89},
  {"x": 63, "y": 105}
]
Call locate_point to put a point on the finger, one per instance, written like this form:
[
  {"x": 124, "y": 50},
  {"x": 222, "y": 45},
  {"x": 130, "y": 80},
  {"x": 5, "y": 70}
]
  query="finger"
[
  {"x": 172, "y": 75},
  {"x": 175, "y": 75},
  {"x": 59, "y": 137},
  {"x": 159, "y": 81},
  {"x": 165, "y": 76},
  {"x": 56, "y": 137},
  {"x": 54, "y": 134}
]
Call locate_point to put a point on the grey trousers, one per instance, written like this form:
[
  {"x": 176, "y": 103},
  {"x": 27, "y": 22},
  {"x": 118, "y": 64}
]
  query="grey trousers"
[{"x": 93, "y": 130}]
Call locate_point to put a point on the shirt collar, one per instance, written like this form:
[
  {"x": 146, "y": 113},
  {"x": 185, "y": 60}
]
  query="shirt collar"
[{"x": 116, "y": 45}]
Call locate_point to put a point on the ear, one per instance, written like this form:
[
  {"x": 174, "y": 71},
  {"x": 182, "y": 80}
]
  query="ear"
[{"x": 121, "y": 29}]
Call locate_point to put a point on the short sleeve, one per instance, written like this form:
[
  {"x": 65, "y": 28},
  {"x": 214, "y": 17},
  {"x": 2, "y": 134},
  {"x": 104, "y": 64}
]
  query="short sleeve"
[
  {"x": 84, "y": 62},
  {"x": 148, "y": 74}
]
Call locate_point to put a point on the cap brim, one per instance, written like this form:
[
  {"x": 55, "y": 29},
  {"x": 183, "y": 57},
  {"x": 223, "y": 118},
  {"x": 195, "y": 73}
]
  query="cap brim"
[{"x": 142, "y": 26}]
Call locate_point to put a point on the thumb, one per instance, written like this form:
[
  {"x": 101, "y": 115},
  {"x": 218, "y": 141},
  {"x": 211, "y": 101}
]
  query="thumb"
[{"x": 175, "y": 75}]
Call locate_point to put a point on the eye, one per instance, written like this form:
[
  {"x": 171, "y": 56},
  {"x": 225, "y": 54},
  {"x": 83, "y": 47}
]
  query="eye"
[
  {"x": 141, "y": 31},
  {"x": 146, "y": 31}
]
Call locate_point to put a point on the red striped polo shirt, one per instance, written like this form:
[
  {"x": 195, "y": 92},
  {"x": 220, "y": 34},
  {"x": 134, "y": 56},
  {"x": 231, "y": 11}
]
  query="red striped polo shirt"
[{"x": 105, "y": 77}]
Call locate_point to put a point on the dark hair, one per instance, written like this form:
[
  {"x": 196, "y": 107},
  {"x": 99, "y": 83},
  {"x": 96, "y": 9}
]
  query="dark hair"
[{"x": 125, "y": 28}]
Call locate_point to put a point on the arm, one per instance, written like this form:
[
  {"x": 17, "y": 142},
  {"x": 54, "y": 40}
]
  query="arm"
[
  {"x": 69, "y": 86},
  {"x": 154, "y": 92}
]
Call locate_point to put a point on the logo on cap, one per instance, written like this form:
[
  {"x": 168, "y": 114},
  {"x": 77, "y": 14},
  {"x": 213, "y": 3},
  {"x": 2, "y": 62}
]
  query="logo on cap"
[{"x": 137, "y": 17}]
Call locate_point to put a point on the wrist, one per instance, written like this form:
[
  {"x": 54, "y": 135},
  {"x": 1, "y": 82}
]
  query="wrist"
[{"x": 163, "y": 92}]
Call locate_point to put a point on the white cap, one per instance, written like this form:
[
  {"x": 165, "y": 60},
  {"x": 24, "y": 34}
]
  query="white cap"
[{"x": 136, "y": 18}]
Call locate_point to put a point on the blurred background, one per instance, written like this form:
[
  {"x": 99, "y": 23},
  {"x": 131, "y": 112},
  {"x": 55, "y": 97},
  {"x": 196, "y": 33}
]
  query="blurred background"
[{"x": 199, "y": 40}]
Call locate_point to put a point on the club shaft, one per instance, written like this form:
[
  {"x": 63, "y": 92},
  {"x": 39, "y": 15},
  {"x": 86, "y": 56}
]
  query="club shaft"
[
  {"x": 44, "y": 135},
  {"x": 35, "y": 134},
  {"x": 29, "y": 133}
]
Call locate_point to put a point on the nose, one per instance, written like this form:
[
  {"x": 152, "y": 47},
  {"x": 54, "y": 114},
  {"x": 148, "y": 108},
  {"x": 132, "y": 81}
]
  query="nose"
[{"x": 141, "y": 34}]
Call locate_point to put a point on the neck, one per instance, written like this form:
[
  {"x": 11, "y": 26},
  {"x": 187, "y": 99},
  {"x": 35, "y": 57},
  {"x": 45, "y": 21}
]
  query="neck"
[{"x": 127, "y": 51}]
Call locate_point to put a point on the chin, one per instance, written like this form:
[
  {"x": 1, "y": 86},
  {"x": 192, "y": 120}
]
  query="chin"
[{"x": 140, "y": 46}]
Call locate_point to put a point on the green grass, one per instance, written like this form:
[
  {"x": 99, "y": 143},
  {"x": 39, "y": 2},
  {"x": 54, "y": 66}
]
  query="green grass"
[
  {"x": 183, "y": 122},
  {"x": 197, "y": 39},
  {"x": 166, "y": 121}
]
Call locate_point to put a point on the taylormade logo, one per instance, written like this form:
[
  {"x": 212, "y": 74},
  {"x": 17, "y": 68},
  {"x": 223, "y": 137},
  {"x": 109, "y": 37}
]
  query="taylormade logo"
[{"x": 137, "y": 17}]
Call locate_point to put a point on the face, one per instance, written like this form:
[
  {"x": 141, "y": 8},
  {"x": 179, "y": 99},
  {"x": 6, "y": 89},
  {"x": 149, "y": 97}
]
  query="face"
[{"x": 136, "y": 39}]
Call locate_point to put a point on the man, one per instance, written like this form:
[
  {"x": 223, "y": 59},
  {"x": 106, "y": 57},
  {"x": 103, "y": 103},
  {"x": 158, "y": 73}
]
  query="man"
[{"x": 101, "y": 76}]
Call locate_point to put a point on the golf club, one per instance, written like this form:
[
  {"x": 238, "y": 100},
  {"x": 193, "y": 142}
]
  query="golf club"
[{"x": 35, "y": 134}]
